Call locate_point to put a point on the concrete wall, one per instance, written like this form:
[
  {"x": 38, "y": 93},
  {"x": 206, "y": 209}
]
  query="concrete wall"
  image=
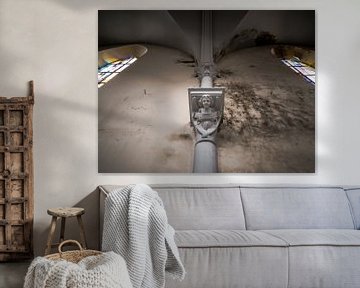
[{"x": 55, "y": 44}]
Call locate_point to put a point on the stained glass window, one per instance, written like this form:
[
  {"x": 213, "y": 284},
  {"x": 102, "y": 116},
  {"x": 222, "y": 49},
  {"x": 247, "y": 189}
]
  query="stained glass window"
[
  {"x": 110, "y": 70},
  {"x": 301, "y": 68}
]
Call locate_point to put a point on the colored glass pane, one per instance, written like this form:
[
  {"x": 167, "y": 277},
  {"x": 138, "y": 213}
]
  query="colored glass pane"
[
  {"x": 110, "y": 70},
  {"x": 301, "y": 68}
]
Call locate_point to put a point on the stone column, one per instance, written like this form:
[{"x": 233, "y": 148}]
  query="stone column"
[{"x": 205, "y": 154}]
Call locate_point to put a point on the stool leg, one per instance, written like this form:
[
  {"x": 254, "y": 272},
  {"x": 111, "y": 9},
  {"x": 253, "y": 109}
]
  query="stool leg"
[
  {"x": 62, "y": 231},
  {"x": 51, "y": 235},
  {"x": 82, "y": 232}
]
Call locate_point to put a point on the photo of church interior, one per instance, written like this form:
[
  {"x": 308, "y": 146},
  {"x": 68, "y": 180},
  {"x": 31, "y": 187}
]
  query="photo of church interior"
[{"x": 264, "y": 62}]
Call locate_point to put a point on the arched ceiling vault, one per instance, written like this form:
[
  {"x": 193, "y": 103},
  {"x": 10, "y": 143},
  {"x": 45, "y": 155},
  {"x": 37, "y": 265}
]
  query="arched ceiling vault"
[{"x": 181, "y": 29}]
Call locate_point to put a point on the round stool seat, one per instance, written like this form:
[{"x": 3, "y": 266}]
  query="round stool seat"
[{"x": 66, "y": 211}]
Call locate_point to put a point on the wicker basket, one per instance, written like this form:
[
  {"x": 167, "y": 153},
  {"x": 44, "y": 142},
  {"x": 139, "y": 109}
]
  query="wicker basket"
[{"x": 72, "y": 256}]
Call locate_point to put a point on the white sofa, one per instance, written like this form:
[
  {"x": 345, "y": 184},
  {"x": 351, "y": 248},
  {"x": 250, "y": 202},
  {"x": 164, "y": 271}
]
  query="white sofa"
[{"x": 263, "y": 237}]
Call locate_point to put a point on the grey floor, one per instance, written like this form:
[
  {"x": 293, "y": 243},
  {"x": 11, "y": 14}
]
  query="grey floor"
[{"x": 12, "y": 274}]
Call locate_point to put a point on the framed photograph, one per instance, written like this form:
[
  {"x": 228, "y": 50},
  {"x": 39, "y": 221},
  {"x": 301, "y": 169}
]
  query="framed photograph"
[{"x": 222, "y": 91}]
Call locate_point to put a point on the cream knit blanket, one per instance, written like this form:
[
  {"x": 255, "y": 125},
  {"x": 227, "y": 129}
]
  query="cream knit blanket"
[
  {"x": 136, "y": 227},
  {"x": 103, "y": 271}
]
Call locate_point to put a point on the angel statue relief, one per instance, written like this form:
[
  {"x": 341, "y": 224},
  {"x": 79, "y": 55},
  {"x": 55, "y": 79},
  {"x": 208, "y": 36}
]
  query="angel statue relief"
[{"x": 206, "y": 119}]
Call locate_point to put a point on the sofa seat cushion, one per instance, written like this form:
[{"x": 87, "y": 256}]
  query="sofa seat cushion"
[
  {"x": 317, "y": 237},
  {"x": 231, "y": 258},
  {"x": 225, "y": 238},
  {"x": 322, "y": 258}
]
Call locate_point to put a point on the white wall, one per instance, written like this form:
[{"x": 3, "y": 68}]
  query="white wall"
[{"x": 55, "y": 44}]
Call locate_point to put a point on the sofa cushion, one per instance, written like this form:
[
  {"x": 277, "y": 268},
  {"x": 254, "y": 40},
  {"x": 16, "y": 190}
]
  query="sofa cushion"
[
  {"x": 324, "y": 266},
  {"x": 296, "y": 208},
  {"x": 204, "y": 208},
  {"x": 315, "y": 237},
  {"x": 191, "y": 207},
  {"x": 322, "y": 258},
  {"x": 220, "y": 267},
  {"x": 226, "y": 238},
  {"x": 354, "y": 198}
]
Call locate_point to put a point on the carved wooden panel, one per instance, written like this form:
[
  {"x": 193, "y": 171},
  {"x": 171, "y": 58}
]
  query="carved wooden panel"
[{"x": 16, "y": 177}]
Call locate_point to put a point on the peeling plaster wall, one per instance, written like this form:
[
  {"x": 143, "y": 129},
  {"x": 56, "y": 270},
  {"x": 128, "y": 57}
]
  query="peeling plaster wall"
[{"x": 55, "y": 44}]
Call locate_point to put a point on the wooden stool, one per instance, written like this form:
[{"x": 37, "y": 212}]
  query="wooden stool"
[{"x": 64, "y": 213}]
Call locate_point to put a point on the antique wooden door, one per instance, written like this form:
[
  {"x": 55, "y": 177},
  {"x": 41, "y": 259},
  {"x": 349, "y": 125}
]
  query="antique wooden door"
[{"x": 16, "y": 177}]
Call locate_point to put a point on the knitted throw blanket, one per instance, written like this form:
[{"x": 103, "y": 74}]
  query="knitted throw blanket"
[
  {"x": 136, "y": 227},
  {"x": 102, "y": 271}
]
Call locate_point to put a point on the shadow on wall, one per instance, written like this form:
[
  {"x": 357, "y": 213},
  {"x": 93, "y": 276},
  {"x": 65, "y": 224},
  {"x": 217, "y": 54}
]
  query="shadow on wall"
[
  {"x": 91, "y": 222},
  {"x": 18, "y": 68},
  {"x": 65, "y": 162}
]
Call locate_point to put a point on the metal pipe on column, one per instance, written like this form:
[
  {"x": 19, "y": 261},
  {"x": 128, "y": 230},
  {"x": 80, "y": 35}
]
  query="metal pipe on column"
[{"x": 205, "y": 154}]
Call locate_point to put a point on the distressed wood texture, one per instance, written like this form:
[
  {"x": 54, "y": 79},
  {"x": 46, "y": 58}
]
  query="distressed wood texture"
[{"x": 16, "y": 177}]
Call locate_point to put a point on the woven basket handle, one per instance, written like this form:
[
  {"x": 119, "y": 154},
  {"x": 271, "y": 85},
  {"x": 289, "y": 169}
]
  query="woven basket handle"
[{"x": 69, "y": 241}]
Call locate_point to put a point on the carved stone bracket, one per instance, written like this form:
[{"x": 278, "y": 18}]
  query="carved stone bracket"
[{"x": 206, "y": 107}]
